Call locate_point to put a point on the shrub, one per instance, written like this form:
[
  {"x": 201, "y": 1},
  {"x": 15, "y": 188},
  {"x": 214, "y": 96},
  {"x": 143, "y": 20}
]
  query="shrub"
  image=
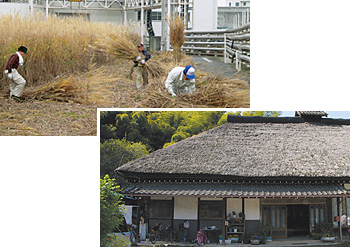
[{"x": 117, "y": 240}]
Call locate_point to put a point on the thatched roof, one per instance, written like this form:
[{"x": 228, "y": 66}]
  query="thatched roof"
[{"x": 255, "y": 147}]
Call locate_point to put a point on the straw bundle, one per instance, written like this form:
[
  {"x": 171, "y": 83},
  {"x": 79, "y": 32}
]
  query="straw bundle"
[
  {"x": 210, "y": 92},
  {"x": 120, "y": 45},
  {"x": 154, "y": 68},
  {"x": 60, "y": 90},
  {"x": 177, "y": 27}
]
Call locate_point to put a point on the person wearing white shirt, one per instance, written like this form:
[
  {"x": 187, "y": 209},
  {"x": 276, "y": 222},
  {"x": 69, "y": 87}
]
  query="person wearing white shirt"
[
  {"x": 17, "y": 82},
  {"x": 181, "y": 80}
]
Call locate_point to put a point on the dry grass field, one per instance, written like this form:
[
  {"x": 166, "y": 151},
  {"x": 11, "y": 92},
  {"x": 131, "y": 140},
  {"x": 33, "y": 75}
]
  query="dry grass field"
[{"x": 74, "y": 67}]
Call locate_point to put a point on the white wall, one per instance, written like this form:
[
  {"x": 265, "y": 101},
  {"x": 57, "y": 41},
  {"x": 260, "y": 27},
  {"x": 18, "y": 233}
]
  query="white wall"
[
  {"x": 186, "y": 208},
  {"x": 205, "y": 14},
  {"x": 10, "y": 8},
  {"x": 234, "y": 204},
  {"x": 252, "y": 209}
]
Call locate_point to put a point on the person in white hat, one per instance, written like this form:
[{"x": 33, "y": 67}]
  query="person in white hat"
[
  {"x": 181, "y": 80},
  {"x": 17, "y": 82}
]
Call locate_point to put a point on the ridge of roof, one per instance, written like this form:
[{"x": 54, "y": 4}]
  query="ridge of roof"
[{"x": 256, "y": 119}]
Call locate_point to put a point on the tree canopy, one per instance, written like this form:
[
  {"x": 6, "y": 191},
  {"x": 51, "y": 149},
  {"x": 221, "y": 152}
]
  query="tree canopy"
[{"x": 111, "y": 207}]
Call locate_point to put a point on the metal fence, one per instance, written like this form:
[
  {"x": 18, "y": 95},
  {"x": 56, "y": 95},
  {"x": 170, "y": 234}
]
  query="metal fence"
[{"x": 232, "y": 44}]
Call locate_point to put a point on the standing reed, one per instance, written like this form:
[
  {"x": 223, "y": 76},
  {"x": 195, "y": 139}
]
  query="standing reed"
[
  {"x": 177, "y": 27},
  {"x": 56, "y": 46}
]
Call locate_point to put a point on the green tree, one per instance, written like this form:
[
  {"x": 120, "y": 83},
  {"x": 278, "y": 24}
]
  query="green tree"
[
  {"x": 114, "y": 153},
  {"x": 111, "y": 207}
]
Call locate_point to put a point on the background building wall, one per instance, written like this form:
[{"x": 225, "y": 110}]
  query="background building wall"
[
  {"x": 205, "y": 14},
  {"x": 11, "y": 8},
  {"x": 186, "y": 208},
  {"x": 234, "y": 204}
]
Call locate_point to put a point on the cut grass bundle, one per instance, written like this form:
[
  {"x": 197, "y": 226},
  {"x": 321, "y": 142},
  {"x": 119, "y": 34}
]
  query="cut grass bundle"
[
  {"x": 177, "y": 27},
  {"x": 122, "y": 45},
  {"x": 60, "y": 90},
  {"x": 210, "y": 92},
  {"x": 89, "y": 88}
]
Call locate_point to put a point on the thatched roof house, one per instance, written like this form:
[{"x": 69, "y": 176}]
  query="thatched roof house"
[
  {"x": 265, "y": 167},
  {"x": 254, "y": 148}
]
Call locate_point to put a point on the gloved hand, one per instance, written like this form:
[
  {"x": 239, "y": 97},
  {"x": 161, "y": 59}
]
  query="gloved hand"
[
  {"x": 173, "y": 95},
  {"x": 143, "y": 61},
  {"x": 138, "y": 58},
  {"x": 9, "y": 75}
]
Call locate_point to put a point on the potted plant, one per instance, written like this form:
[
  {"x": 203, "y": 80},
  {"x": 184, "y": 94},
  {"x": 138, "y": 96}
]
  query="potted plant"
[
  {"x": 328, "y": 236},
  {"x": 265, "y": 231},
  {"x": 235, "y": 238},
  {"x": 255, "y": 239},
  {"x": 220, "y": 238},
  {"x": 246, "y": 238}
]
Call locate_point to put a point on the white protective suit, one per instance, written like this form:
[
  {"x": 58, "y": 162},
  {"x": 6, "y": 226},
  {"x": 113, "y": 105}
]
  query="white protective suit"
[{"x": 176, "y": 84}]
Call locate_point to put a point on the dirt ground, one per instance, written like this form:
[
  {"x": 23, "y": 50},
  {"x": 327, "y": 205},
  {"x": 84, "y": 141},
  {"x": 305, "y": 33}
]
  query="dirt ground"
[
  {"x": 106, "y": 87},
  {"x": 46, "y": 118}
]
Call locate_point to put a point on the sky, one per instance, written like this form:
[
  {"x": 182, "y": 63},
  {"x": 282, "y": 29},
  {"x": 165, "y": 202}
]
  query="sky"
[{"x": 331, "y": 114}]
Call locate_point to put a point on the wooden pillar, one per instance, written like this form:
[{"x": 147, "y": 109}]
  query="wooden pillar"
[
  {"x": 339, "y": 222},
  {"x": 172, "y": 212},
  {"x": 224, "y": 219},
  {"x": 198, "y": 223},
  {"x": 137, "y": 239}
]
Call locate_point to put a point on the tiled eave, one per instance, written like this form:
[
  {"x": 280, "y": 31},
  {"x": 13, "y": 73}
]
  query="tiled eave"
[{"x": 238, "y": 190}]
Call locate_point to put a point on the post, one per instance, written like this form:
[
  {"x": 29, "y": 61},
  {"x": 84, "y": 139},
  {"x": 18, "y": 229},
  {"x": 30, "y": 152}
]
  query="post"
[
  {"x": 47, "y": 9},
  {"x": 224, "y": 47},
  {"x": 31, "y": 6},
  {"x": 125, "y": 14},
  {"x": 137, "y": 239},
  {"x": 164, "y": 27},
  {"x": 224, "y": 221},
  {"x": 339, "y": 222},
  {"x": 168, "y": 29},
  {"x": 142, "y": 21}
]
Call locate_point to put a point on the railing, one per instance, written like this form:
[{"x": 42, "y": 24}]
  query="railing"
[{"x": 232, "y": 44}]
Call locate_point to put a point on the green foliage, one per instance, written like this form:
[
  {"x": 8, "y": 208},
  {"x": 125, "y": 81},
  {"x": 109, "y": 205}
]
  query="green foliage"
[
  {"x": 157, "y": 129},
  {"x": 265, "y": 230},
  {"x": 257, "y": 113},
  {"x": 114, "y": 240},
  {"x": 111, "y": 207},
  {"x": 114, "y": 153}
]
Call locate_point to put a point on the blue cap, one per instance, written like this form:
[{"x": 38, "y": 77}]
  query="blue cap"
[{"x": 189, "y": 72}]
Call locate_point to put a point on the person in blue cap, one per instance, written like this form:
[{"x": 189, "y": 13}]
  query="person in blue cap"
[{"x": 181, "y": 80}]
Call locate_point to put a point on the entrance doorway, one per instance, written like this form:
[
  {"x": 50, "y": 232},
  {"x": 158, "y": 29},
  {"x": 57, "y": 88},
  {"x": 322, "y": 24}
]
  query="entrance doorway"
[{"x": 298, "y": 220}]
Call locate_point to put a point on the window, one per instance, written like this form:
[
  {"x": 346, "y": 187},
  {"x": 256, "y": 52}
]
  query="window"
[
  {"x": 161, "y": 209},
  {"x": 156, "y": 16},
  {"x": 229, "y": 4},
  {"x": 237, "y": 4},
  {"x": 317, "y": 214},
  {"x": 211, "y": 210}
]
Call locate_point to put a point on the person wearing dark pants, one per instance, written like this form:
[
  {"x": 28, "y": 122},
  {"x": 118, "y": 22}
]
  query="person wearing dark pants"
[{"x": 140, "y": 63}]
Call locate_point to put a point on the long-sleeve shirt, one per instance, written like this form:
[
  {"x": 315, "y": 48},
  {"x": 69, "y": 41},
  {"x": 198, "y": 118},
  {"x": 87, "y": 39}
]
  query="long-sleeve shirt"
[
  {"x": 146, "y": 54},
  {"x": 12, "y": 63},
  {"x": 175, "y": 82}
]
